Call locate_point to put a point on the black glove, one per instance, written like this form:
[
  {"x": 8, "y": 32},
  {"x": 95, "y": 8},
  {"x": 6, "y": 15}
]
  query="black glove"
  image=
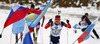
[
  {"x": 0, "y": 35},
  {"x": 75, "y": 31},
  {"x": 50, "y": 20},
  {"x": 67, "y": 21}
]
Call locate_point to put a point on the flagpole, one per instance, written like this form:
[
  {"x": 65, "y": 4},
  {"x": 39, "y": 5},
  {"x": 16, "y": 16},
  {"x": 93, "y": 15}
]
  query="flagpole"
[
  {"x": 2, "y": 31},
  {"x": 74, "y": 41},
  {"x": 88, "y": 27}
]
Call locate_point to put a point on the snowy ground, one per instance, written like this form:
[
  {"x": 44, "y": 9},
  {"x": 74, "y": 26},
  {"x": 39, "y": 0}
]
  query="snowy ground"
[{"x": 43, "y": 37}]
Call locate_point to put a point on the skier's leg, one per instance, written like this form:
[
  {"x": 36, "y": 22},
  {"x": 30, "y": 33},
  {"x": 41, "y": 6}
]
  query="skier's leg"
[
  {"x": 21, "y": 35},
  {"x": 16, "y": 38},
  {"x": 37, "y": 28},
  {"x": 36, "y": 35},
  {"x": 51, "y": 39},
  {"x": 83, "y": 29},
  {"x": 33, "y": 35},
  {"x": 57, "y": 40},
  {"x": 51, "y": 42},
  {"x": 95, "y": 33}
]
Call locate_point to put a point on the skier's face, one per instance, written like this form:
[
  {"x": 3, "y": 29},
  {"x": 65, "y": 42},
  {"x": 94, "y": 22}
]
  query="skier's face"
[
  {"x": 57, "y": 20},
  {"x": 32, "y": 8},
  {"x": 86, "y": 15}
]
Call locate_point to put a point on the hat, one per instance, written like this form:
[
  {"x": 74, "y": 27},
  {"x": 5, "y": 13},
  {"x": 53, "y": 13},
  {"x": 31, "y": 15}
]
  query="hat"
[
  {"x": 32, "y": 6},
  {"x": 86, "y": 13}
]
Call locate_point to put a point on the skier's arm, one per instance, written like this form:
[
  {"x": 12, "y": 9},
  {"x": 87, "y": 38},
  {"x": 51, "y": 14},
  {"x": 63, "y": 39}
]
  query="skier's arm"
[
  {"x": 79, "y": 23},
  {"x": 37, "y": 8},
  {"x": 35, "y": 11},
  {"x": 68, "y": 24},
  {"x": 88, "y": 21},
  {"x": 48, "y": 24},
  {"x": 43, "y": 21}
]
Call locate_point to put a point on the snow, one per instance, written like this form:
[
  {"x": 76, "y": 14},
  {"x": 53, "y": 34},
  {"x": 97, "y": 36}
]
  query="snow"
[
  {"x": 77, "y": 11},
  {"x": 73, "y": 14}
]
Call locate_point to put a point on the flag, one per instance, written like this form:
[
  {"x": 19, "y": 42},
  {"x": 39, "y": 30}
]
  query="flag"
[
  {"x": 44, "y": 10},
  {"x": 26, "y": 36},
  {"x": 32, "y": 20},
  {"x": 17, "y": 13},
  {"x": 86, "y": 33},
  {"x": 18, "y": 26},
  {"x": 75, "y": 25}
]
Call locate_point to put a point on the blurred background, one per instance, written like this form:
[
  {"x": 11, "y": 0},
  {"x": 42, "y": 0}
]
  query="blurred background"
[{"x": 55, "y": 3}]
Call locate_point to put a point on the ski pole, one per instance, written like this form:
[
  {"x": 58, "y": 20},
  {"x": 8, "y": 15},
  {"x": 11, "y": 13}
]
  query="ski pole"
[
  {"x": 42, "y": 31},
  {"x": 11, "y": 38},
  {"x": 41, "y": 35},
  {"x": 67, "y": 33},
  {"x": 74, "y": 41}
]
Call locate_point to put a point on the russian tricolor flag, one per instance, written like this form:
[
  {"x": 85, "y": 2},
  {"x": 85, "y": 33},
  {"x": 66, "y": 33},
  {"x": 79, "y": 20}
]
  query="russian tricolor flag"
[
  {"x": 86, "y": 33},
  {"x": 31, "y": 19},
  {"x": 17, "y": 13},
  {"x": 26, "y": 36}
]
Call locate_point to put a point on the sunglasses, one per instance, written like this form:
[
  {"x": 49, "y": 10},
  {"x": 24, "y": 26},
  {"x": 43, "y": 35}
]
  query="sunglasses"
[{"x": 57, "y": 18}]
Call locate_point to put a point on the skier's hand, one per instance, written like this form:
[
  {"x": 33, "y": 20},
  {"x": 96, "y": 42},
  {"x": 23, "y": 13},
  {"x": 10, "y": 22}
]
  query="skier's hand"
[
  {"x": 50, "y": 20},
  {"x": 0, "y": 35},
  {"x": 41, "y": 25},
  {"x": 75, "y": 31},
  {"x": 67, "y": 21}
]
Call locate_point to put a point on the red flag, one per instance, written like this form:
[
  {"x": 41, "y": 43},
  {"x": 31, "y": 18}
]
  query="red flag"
[{"x": 18, "y": 15}]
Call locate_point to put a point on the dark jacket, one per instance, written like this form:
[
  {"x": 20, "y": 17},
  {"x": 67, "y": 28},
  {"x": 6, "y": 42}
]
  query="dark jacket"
[{"x": 87, "y": 20}]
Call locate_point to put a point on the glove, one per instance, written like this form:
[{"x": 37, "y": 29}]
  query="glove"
[
  {"x": 0, "y": 35},
  {"x": 50, "y": 20},
  {"x": 75, "y": 31},
  {"x": 67, "y": 21}
]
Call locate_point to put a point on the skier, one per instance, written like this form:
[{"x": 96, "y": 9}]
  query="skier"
[
  {"x": 37, "y": 26},
  {"x": 85, "y": 22},
  {"x": 56, "y": 27}
]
